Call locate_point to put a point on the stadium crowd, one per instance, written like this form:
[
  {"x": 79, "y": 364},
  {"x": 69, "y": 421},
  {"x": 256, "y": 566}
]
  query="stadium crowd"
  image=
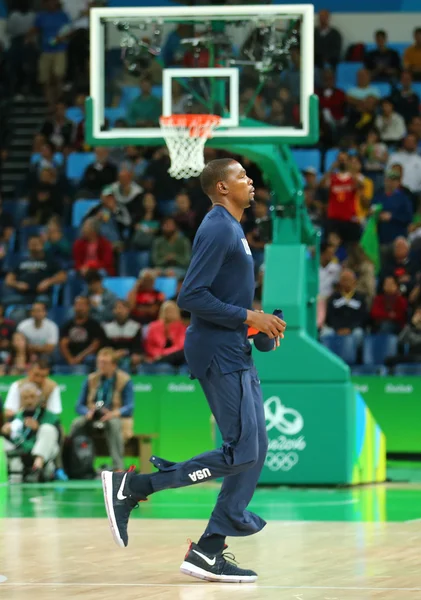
[{"x": 95, "y": 243}]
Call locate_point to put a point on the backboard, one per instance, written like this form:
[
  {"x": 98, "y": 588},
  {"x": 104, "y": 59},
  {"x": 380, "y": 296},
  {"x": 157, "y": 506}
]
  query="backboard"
[{"x": 250, "y": 65}]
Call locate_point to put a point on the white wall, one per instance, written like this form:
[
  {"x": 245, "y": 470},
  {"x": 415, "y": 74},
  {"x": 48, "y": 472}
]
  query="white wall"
[{"x": 359, "y": 27}]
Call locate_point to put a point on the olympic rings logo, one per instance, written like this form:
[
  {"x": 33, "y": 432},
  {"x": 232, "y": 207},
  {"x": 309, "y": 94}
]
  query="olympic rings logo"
[
  {"x": 281, "y": 461},
  {"x": 276, "y": 417}
]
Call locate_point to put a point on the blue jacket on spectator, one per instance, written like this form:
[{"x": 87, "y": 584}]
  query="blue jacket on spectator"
[
  {"x": 105, "y": 391},
  {"x": 400, "y": 206}
]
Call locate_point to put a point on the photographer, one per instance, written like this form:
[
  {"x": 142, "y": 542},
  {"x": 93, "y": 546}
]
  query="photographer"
[
  {"x": 106, "y": 402},
  {"x": 32, "y": 437}
]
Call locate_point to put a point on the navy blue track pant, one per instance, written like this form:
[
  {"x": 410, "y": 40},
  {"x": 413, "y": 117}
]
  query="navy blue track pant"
[{"x": 236, "y": 402}]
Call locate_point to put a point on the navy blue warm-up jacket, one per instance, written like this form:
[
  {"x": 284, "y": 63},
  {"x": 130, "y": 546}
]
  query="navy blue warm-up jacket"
[{"x": 217, "y": 291}]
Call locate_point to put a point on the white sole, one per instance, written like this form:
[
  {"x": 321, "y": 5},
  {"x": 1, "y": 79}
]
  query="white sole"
[
  {"x": 189, "y": 569},
  {"x": 107, "y": 487}
]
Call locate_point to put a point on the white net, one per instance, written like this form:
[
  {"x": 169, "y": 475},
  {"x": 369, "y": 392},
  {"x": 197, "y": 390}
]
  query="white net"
[{"x": 186, "y": 136}]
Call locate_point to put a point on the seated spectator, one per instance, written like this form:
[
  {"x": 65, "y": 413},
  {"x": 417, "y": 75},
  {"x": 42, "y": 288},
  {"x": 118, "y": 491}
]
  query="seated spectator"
[
  {"x": 22, "y": 56},
  {"x": 44, "y": 202},
  {"x": 34, "y": 276},
  {"x": 362, "y": 91},
  {"x": 410, "y": 161},
  {"x": 346, "y": 309},
  {"x": 34, "y": 433},
  {"x": 415, "y": 128},
  {"x": 332, "y": 103},
  {"x": 101, "y": 300},
  {"x": 113, "y": 219},
  {"x": 329, "y": 270},
  {"x": 374, "y": 155},
  {"x": 290, "y": 79},
  {"x": 7, "y": 328},
  {"x": 92, "y": 251},
  {"x": 383, "y": 63},
  {"x": 145, "y": 110},
  {"x": 278, "y": 116},
  {"x": 56, "y": 244},
  {"x": 184, "y": 216},
  {"x": 396, "y": 214},
  {"x": 327, "y": 42},
  {"x": 159, "y": 181},
  {"x": 124, "y": 335},
  {"x": 365, "y": 188},
  {"x": 134, "y": 156},
  {"x": 412, "y": 56},
  {"x": 171, "y": 251},
  {"x": 410, "y": 336},
  {"x": 98, "y": 175},
  {"x": 144, "y": 300},
  {"x": 342, "y": 206},
  {"x": 164, "y": 342},
  {"x": 252, "y": 106},
  {"x": 41, "y": 333},
  {"x": 126, "y": 191},
  {"x": 148, "y": 223},
  {"x": 6, "y": 233},
  {"x": 253, "y": 232},
  {"x": 39, "y": 375},
  {"x": 107, "y": 398},
  {"x": 80, "y": 337},
  {"x": 405, "y": 100},
  {"x": 48, "y": 158},
  {"x": 401, "y": 266},
  {"x": 314, "y": 207},
  {"x": 389, "y": 310},
  {"x": 59, "y": 129},
  {"x": 389, "y": 123},
  {"x": 363, "y": 268},
  {"x": 19, "y": 359}
]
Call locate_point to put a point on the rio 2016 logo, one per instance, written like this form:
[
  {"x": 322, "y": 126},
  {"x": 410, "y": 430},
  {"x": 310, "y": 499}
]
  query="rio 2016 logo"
[{"x": 283, "y": 452}]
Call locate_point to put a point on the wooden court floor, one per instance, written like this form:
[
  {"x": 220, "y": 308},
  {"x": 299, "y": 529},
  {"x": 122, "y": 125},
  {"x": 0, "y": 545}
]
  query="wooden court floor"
[{"x": 51, "y": 558}]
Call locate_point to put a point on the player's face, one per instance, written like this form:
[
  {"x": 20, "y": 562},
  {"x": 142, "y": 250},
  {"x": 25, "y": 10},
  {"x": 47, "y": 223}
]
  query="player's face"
[{"x": 240, "y": 186}]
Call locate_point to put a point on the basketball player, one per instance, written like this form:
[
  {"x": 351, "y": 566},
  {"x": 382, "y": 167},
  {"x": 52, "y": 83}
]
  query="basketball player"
[{"x": 218, "y": 292}]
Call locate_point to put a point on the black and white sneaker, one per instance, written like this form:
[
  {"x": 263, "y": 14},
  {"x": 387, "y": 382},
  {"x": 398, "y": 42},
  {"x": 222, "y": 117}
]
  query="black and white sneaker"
[
  {"x": 220, "y": 567},
  {"x": 119, "y": 503}
]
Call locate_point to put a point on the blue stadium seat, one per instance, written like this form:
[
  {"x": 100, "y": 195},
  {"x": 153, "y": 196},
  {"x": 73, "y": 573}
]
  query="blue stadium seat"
[
  {"x": 112, "y": 114},
  {"x": 307, "y": 158},
  {"x": 368, "y": 370},
  {"x": 77, "y": 163},
  {"x": 130, "y": 93},
  {"x": 408, "y": 369},
  {"x": 346, "y": 74},
  {"x": 16, "y": 208},
  {"x": 132, "y": 262},
  {"x": 58, "y": 158},
  {"x": 70, "y": 370},
  {"x": 167, "y": 286},
  {"x": 383, "y": 87},
  {"x": 416, "y": 86},
  {"x": 156, "y": 369},
  {"x": 59, "y": 314},
  {"x": 74, "y": 286},
  {"x": 330, "y": 157},
  {"x": 80, "y": 210},
  {"x": 120, "y": 286},
  {"x": 377, "y": 347},
  {"x": 343, "y": 346},
  {"x": 75, "y": 114}
]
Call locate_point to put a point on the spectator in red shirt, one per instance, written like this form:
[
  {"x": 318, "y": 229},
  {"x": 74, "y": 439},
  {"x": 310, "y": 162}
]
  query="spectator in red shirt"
[
  {"x": 92, "y": 251},
  {"x": 164, "y": 341},
  {"x": 332, "y": 103},
  {"x": 144, "y": 300},
  {"x": 342, "y": 207},
  {"x": 389, "y": 310}
]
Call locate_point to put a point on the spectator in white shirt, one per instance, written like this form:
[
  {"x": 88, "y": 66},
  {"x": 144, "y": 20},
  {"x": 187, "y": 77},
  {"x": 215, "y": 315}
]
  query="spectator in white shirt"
[
  {"x": 410, "y": 161},
  {"x": 38, "y": 374},
  {"x": 329, "y": 270},
  {"x": 363, "y": 89},
  {"x": 41, "y": 333},
  {"x": 390, "y": 124}
]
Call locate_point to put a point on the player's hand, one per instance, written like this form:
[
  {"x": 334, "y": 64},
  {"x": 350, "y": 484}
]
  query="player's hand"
[{"x": 271, "y": 325}]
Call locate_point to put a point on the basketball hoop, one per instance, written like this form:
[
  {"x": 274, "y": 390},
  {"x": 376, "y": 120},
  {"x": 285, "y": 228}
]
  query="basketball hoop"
[{"x": 185, "y": 136}]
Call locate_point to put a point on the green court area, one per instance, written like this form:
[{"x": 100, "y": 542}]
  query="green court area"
[{"x": 378, "y": 503}]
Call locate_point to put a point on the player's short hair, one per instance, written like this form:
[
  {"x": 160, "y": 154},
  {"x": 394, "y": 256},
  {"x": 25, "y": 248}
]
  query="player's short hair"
[{"x": 214, "y": 171}]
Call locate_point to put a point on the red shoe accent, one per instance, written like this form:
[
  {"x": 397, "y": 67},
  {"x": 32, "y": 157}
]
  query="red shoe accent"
[
  {"x": 191, "y": 543},
  {"x": 131, "y": 469}
]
